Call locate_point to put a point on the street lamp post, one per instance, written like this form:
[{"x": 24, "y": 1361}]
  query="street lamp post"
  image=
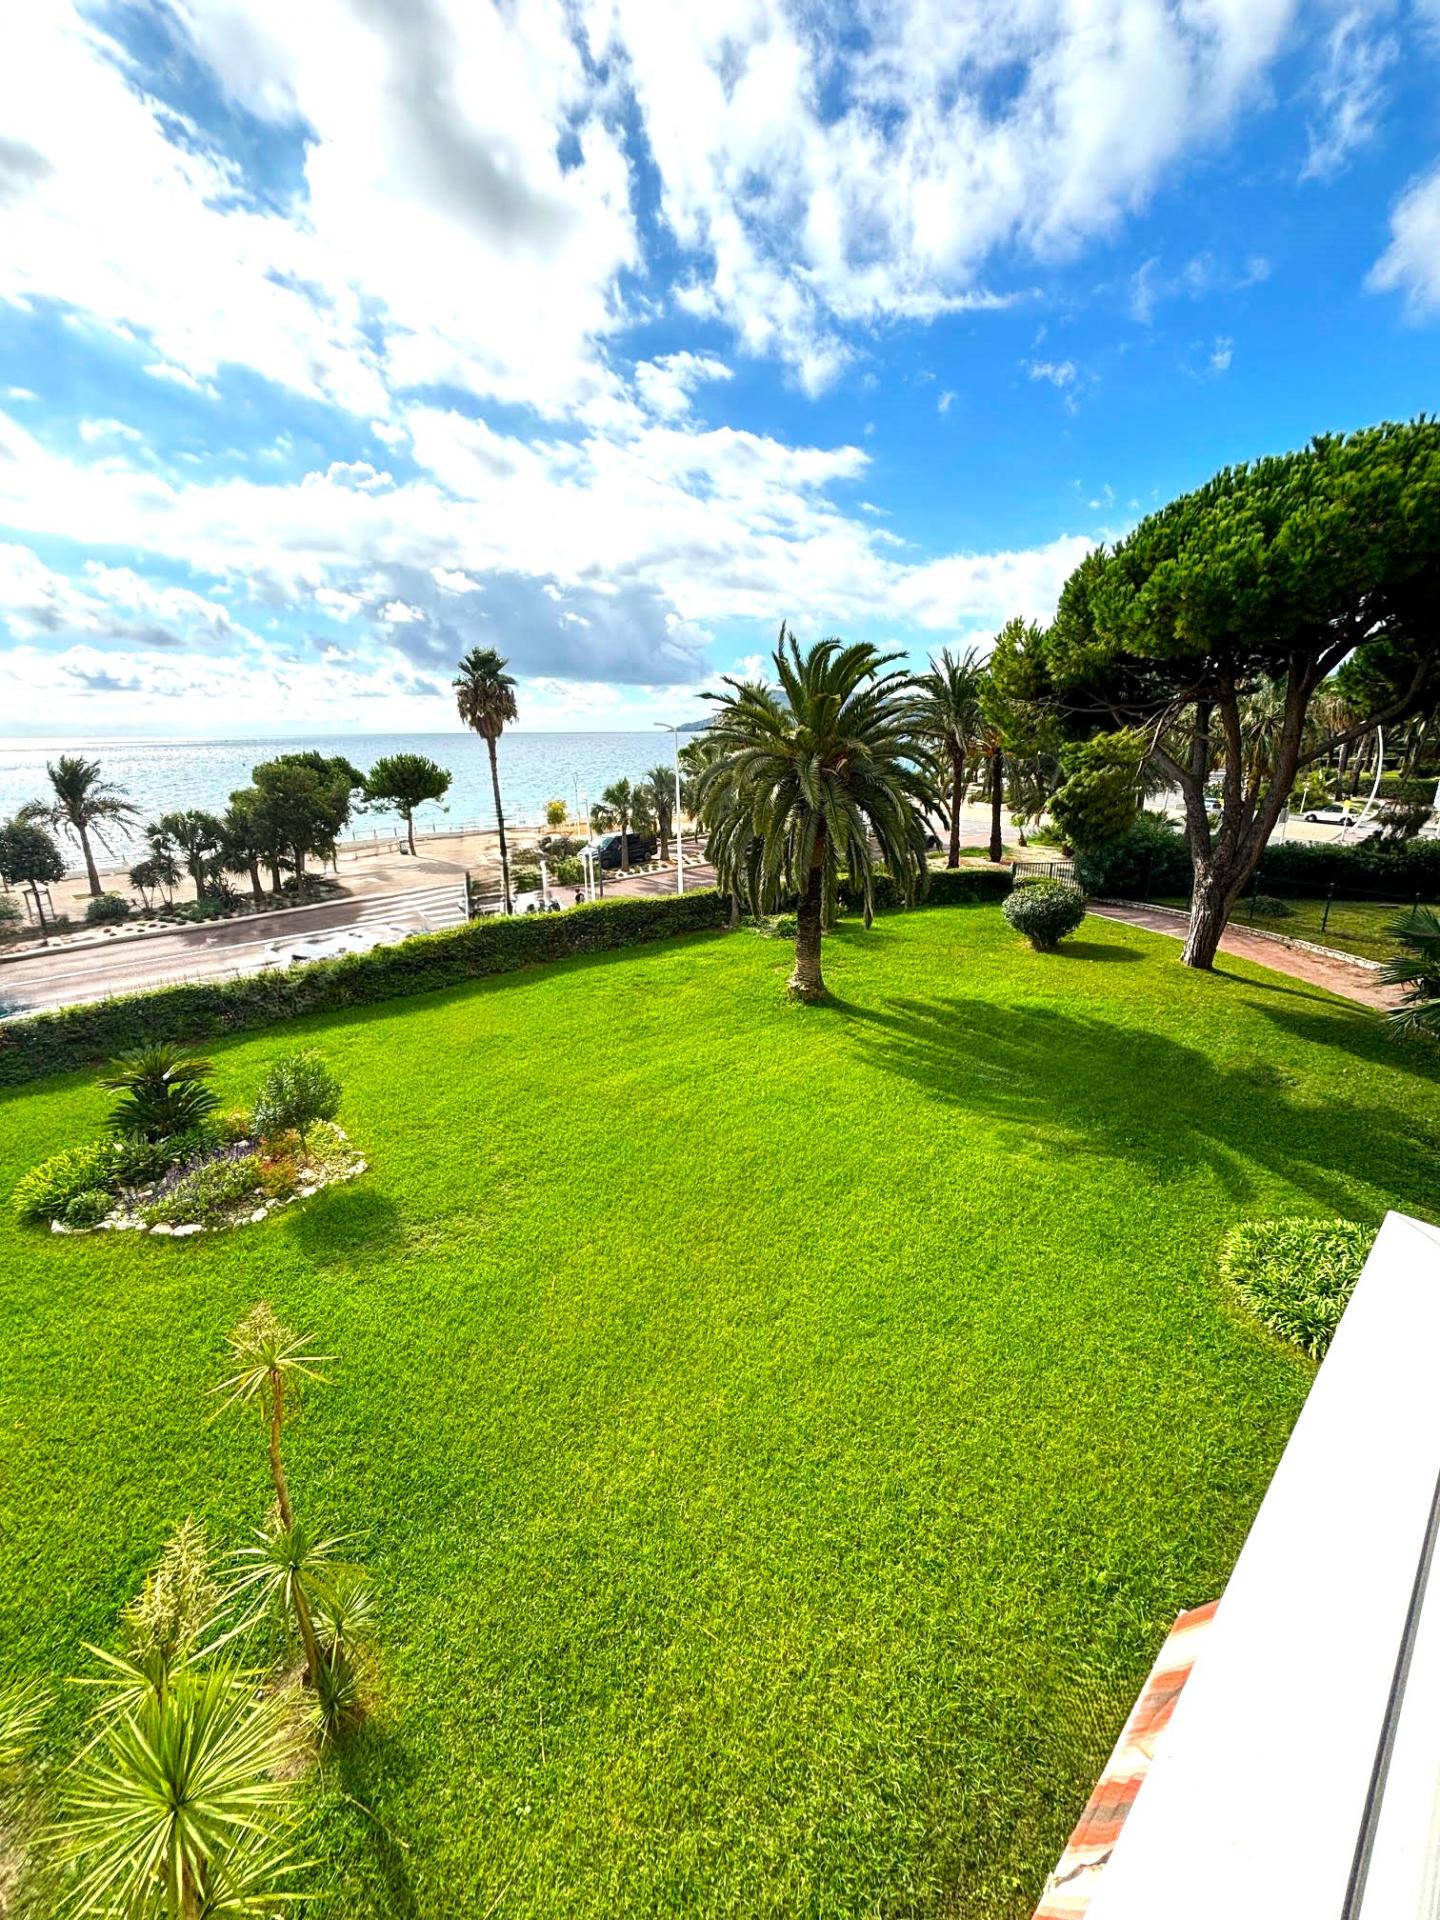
[{"x": 674, "y": 733}]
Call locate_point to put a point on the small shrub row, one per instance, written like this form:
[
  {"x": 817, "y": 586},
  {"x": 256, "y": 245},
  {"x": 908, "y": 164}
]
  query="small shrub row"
[
  {"x": 70, "y": 1037},
  {"x": 207, "y": 1195},
  {"x": 948, "y": 887},
  {"x": 1297, "y": 1275}
]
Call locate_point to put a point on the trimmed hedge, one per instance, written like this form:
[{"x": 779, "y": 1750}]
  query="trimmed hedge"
[
  {"x": 44, "y": 1043},
  {"x": 38, "y": 1044},
  {"x": 1152, "y": 858},
  {"x": 949, "y": 887}
]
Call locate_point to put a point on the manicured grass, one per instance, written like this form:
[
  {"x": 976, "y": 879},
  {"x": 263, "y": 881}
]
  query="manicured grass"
[
  {"x": 781, "y": 1437},
  {"x": 1361, "y": 927}
]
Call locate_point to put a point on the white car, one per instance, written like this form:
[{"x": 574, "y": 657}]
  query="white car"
[
  {"x": 335, "y": 942},
  {"x": 1329, "y": 816}
]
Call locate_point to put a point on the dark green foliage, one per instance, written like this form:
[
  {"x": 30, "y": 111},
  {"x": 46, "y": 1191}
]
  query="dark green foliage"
[
  {"x": 947, "y": 887},
  {"x": 1267, "y": 906},
  {"x": 406, "y": 781},
  {"x": 1297, "y": 1275},
  {"x": 79, "y": 1036},
  {"x": 298, "y": 1090},
  {"x": 567, "y": 871},
  {"x": 88, "y": 1209},
  {"x": 1099, "y": 799},
  {"x": 107, "y": 910},
  {"x": 1150, "y": 857},
  {"x": 1045, "y": 911},
  {"x": 1417, "y": 969},
  {"x": 164, "y": 1091}
]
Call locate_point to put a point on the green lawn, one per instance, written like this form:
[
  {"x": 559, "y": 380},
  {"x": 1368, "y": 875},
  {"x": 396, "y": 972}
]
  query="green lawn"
[
  {"x": 1361, "y": 927},
  {"x": 781, "y": 1437}
]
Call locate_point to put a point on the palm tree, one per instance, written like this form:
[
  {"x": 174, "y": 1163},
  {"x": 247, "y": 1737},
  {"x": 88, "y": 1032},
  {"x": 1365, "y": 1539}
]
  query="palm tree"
[
  {"x": 244, "y": 842},
  {"x": 659, "y": 791},
  {"x": 82, "y": 804},
  {"x": 621, "y": 803},
  {"x": 951, "y": 718},
  {"x": 198, "y": 836},
  {"x": 806, "y": 776},
  {"x": 485, "y": 697},
  {"x": 1417, "y": 969}
]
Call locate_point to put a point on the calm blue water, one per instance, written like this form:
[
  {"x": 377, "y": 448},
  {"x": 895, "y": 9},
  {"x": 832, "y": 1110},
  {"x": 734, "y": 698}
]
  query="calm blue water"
[{"x": 163, "y": 776}]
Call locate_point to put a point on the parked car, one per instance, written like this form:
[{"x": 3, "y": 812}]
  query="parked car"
[
  {"x": 606, "y": 850},
  {"x": 1328, "y": 816}
]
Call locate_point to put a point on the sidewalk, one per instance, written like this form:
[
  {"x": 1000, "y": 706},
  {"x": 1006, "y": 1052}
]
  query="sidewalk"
[{"x": 1336, "y": 972}]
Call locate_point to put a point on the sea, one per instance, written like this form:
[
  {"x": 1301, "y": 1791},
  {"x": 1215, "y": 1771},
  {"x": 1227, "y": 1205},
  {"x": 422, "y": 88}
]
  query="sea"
[{"x": 170, "y": 775}]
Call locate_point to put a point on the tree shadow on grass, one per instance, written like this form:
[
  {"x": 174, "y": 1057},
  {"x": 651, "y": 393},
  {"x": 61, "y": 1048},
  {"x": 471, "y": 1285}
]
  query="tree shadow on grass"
[
  {"x": 344, "y": 1223},
  {"x": 1086, "y": 1085},
  {"x": 1095, "y": 950}
]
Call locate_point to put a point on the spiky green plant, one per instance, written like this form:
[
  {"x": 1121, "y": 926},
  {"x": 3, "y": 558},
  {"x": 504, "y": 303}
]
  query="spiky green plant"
[
  {"x": 163, "y": 1088},
  {"x": 273, "y": 1366},
  {"x": 808, "y": 777},
  {"x": 22, "y": 1710},
  {"x": 163, "y": 1627},
  {"x": 1417, "y": 969},
  {"x": 180, "y": 1808},
  {"x": 284, "y": 1576}
]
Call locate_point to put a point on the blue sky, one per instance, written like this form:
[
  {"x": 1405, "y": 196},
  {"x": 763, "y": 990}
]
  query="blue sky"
[{"x": 335, "y": 338}]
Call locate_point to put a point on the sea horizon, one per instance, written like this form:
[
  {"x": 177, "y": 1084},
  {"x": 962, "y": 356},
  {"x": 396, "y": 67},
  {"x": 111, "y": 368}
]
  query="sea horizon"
[{"x": 166, "y": 776}]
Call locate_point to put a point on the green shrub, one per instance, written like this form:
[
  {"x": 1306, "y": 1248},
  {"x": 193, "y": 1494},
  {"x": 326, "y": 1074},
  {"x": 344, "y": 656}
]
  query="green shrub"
[
  {"x": 568, "y": 871},
  {"x": 298, "y": 1090},
  {"x": 1296, "y": 1275},
  {"x": 44, "y": 1193},
  {"x": 90, "y": 1208},
  {"x": 777, "y": 926},
  {"x": 207, "y": 1195},
  {"x": 164, "y": 1091},
  {"x": 107, "y": 910},
  {"x": 1265, "y": 906},
  {"x": 1045, "y": 911},
  {"x": 1149, "y": 857},
  {"x": 947, "y": 887},
  {"x": 77, "y": 1036},
  {"x": 11, "y": 918}
]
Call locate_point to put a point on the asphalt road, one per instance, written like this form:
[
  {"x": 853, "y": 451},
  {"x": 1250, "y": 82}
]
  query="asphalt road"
[{"x": 67, "y": 976}]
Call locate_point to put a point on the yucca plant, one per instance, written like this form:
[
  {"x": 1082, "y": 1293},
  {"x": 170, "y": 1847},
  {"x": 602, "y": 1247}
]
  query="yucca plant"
[
  {"x": 180, "y": 1807},
  {"x": 164, "y": 1628},
  {"x": 164, "y": 1091},
  {"x": 1417, "y": 969},
  {"x": 273, "y": 1366},
  {"x": 284, "y": 1575}
]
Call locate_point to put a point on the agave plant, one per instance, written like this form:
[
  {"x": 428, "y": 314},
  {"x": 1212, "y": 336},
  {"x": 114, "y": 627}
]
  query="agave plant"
[
  {"x": 1417, "y": 969},
  {"x": 164, "y": 1091},
  {"x": 180, "y": 1808}
]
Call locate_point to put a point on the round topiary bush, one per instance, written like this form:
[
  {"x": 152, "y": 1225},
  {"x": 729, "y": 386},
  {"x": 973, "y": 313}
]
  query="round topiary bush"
[
  {"x": 107, "y": 910},
  {"x": 1045, "y": 911},
  {"x": 1265, "y": 906}
]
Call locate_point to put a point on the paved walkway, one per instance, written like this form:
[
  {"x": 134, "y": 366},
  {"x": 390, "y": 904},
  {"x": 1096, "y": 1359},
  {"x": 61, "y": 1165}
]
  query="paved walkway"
[{"x": 1334, "y": 972}]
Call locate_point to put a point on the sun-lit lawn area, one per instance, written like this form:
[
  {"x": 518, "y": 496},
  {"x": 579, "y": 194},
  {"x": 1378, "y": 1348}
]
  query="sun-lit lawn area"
[{"x": 781, "y": 1437}]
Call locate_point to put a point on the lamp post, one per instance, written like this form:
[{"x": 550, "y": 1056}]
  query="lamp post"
[{"x": 674, "y": 733}]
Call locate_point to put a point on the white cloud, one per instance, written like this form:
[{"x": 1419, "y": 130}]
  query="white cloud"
[
  {"x": 1221, "y": 354},
  {"x": 667, "y": 385},
  {"x": 93, "y": 430},
  {"x": 1197, "y": 277},
  {"x": 1350, "y": 93},
  {"x": 1059, "y": 373},
  {"x": 1410, "y": 265},
  {"x": 945, "y": 402}
]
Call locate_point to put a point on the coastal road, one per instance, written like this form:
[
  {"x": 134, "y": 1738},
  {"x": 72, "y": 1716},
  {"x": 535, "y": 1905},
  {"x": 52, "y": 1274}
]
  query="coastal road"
[{"x": 67, "y": 976}]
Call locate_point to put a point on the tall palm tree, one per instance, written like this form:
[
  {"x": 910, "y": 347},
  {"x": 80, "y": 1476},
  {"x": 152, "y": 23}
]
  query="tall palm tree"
[
  {"x": 621, "y": 803},
  {"x": 951, "y": 718},
  {"x": 485, "y": 697},
  {"x": 809, "y": 774},
  {"x": 82, "y": 803},
  {"x": 659, "y": 786}
]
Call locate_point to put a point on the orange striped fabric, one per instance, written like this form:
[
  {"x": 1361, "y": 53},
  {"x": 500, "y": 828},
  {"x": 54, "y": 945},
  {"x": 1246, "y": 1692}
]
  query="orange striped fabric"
[{"x": 1070, "y": 1888}]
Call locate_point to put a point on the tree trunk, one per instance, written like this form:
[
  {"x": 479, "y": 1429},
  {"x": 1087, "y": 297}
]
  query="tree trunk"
[
  {"x": 624, "y": 846},
  {"x": 91, "y": 873},
  {"x": 500, "y": 823},
  {"x": 410, "y": 828},
  {"x": 39, "y": 910},
  {"x": 277, "y": 1464},
  {"x": 1210, "y": 903},
  {"x": 664, "y": 831},
  {"x": 807, "y": 982},
  {"x": 997, "y": 805},
  {"x": 957, "y": 800},
  {"x": 255, "y": 886},
  {"x": 197, "y": 874}
]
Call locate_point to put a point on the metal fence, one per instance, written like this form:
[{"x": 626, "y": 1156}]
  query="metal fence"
[
  {"x": 1042, "y": 870},
  {"x": 1352, "y": 919}
]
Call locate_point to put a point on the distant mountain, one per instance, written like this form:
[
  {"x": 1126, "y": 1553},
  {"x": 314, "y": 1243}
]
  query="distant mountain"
[{"x": 694, "y": 726}]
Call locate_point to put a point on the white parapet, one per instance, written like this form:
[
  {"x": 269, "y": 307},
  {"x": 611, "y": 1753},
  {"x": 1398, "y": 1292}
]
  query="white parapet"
[{"x": 1300, "y": 1773}]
